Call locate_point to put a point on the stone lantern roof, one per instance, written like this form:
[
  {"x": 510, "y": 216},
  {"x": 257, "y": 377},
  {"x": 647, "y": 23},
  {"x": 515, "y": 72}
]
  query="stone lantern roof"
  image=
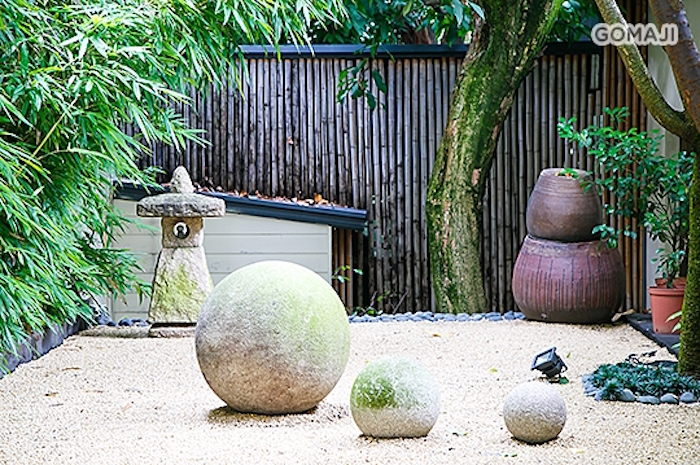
[{"x": 181, "y": 201}]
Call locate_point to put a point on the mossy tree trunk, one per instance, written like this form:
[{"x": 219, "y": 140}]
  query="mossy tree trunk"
[
  {"x": 689, "y": 360},
  {"x": 685, "y": 62},
  {"x": 501, "y": 54}
]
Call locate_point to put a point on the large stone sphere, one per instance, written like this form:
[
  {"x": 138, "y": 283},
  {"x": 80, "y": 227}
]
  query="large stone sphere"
[
  {"x": 534, "y": 412},
  {"x": 395, "y": 397},
  {"x": 272, "y": 338}
]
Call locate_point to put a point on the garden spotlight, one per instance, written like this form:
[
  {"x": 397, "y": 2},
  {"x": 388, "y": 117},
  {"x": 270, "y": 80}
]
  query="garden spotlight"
[{"x": 549, "y": 363}]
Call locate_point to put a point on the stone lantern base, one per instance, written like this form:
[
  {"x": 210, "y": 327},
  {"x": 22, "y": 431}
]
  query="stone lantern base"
[{"x": 180, "y": 285}]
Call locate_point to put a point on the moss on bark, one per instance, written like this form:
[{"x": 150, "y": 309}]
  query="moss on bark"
[
  {"x": 503, "y": 50},
  {"x": 689, "y": 356}
]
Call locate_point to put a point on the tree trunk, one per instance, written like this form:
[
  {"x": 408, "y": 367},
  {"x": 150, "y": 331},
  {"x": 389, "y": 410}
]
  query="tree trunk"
[
  {"x": 689, "y": 354},
  {"x": 501, "y": 54},
  {"x": 685, "y": 61}
]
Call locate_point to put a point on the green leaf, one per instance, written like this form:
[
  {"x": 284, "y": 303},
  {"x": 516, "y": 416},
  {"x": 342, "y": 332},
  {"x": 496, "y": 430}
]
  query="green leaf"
[
  {"x": 458, "y": 9},
  {"x": 83, "y": 48},
  {"x": 477, "y": 9},
  {"x": 379, "y": 81}
]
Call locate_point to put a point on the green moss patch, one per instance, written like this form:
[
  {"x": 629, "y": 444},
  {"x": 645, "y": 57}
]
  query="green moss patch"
[
  {"x": 390, "y": 383},
  {"x": 374, "y": 393}
]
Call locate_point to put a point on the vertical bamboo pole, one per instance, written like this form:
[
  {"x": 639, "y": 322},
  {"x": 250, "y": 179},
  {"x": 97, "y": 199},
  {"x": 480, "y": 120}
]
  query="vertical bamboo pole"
[
  {"x": 304, "y": 115},
  {"x": 297, "y": 125},
  {"x": 271, "y": 129},
  {"x": 291, "y": 107},
  {"x": 402, "y": 268},
  {"x": 416, "y": 189},
  {"x": 408, "y": 183},
  {"x": 354, "y": 155}
]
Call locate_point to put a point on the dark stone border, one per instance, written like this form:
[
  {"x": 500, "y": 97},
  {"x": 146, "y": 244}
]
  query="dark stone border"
[
  {"x": 430, "y": 316},
  {"x": 39, "y": 344},
  {"x": 642, "y": 323}
]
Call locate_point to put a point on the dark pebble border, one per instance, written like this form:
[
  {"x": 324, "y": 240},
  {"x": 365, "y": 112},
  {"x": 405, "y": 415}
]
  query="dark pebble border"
[
  {"x": 626, "y": 395},
  {"x": 38, "y": 344},
  {"x": 430, "y": 316}
]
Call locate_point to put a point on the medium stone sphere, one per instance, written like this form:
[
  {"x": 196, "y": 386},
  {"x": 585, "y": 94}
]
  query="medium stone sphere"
[
  {"x": 272, "y": 338},
  {"x": 534, "y": 412},
  {"x": 395, "y": 397}
]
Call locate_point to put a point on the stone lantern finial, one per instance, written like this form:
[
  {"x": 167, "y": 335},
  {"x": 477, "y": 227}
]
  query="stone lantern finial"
[{"x": 181, "y": 182}]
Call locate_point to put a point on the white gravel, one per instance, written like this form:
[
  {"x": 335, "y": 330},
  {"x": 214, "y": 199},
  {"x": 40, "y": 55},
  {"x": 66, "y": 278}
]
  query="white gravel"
[{"x": 102, "y": 400}]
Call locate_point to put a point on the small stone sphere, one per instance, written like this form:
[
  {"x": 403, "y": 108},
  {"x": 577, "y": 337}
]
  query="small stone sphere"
[
  {"x": 272, "y": 338},
  {"x": 395, "y": 397},
  {"x": 534, "y": 412}
]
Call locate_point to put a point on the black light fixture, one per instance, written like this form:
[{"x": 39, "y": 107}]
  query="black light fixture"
[{"x": 549, "y": 363}]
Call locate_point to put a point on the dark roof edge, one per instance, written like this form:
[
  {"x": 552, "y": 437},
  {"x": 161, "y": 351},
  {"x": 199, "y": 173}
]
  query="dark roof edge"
[
  {"x": 338, "y": 217},
  {"x": 397, "y": 51},
  {"x": 353, "y": 51}
]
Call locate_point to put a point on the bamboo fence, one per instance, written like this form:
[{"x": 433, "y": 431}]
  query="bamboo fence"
[{"x": 284, "y": 133}]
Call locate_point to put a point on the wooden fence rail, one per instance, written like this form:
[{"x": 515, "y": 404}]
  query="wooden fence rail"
[{"x": 285, "y": 134}]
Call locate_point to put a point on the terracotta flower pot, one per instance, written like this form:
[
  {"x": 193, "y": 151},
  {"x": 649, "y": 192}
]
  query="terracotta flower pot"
[
  {"x": 560, "y": 210},
  {"x": 664, "y": 303},
  {"x": 576, "y": 282}
]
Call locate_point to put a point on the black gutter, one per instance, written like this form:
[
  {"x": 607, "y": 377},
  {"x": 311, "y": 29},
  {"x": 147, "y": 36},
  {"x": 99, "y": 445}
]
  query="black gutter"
[
  {"x": 350, "y": 51},
  {"x": 337, "y": 217},
  {"x": 353, "y": 51}
]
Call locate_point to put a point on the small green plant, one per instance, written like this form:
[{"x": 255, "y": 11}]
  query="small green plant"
[
  {"x": 568, "y": 172},
  {"x": 650, "y": 189},
  {"x": 343, "y": 273},
  {"x": 371, "y": 309},
  {"x": 642, "y": 379}
]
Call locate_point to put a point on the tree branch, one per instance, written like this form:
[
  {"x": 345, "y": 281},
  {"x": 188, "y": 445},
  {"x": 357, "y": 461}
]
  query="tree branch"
[
  {"x": 684, "y": 57},
  {"x": 675, "y": 121}
]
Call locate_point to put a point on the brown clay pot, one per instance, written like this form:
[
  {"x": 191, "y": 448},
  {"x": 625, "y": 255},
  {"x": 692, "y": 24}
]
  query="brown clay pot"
[
  {"x": 559, "y": 209},
  {"x": 574, "y": 282},
  {"x": 664, "y": 303}
]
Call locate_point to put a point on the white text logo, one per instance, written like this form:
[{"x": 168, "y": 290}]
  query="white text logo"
[{"x": 639, "y": 34}]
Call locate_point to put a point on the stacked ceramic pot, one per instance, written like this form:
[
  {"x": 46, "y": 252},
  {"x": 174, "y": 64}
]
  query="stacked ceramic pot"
[{"x": 564, "y": 273}]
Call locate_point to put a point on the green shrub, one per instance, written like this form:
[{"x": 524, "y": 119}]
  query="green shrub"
[{"x": 649, "y": 188}]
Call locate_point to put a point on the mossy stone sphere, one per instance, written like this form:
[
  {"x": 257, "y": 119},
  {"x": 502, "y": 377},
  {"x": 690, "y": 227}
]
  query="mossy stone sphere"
[
  {"x": 272, "y": 338},
  {"x": 395, "y": 397},
  {"x": 534, "y": 412}
]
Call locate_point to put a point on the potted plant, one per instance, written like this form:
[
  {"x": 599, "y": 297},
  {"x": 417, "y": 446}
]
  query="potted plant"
[{"x": 650, "y": 190}]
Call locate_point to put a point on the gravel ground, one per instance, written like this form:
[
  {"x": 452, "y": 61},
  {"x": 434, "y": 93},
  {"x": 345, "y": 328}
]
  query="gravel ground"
[{"x": 103, "y": 400}]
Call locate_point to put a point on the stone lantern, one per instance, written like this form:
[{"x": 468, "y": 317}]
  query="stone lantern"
[{"x": 181, "y": 282}]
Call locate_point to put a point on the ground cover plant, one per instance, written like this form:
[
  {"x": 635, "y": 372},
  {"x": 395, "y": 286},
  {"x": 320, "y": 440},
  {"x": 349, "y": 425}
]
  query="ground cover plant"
[
  {"x": 71, "y": 75},
  {"x": 642, "y": 380}
]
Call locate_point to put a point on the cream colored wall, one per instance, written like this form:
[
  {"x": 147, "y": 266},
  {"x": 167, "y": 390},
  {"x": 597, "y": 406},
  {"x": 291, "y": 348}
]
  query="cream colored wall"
[
  {"x": 660, "y": 69},
  {"x": 230, "y": 243}
]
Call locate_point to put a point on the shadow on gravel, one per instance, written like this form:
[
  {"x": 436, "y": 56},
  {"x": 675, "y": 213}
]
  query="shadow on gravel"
[{"x": 323, "y": 413}]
